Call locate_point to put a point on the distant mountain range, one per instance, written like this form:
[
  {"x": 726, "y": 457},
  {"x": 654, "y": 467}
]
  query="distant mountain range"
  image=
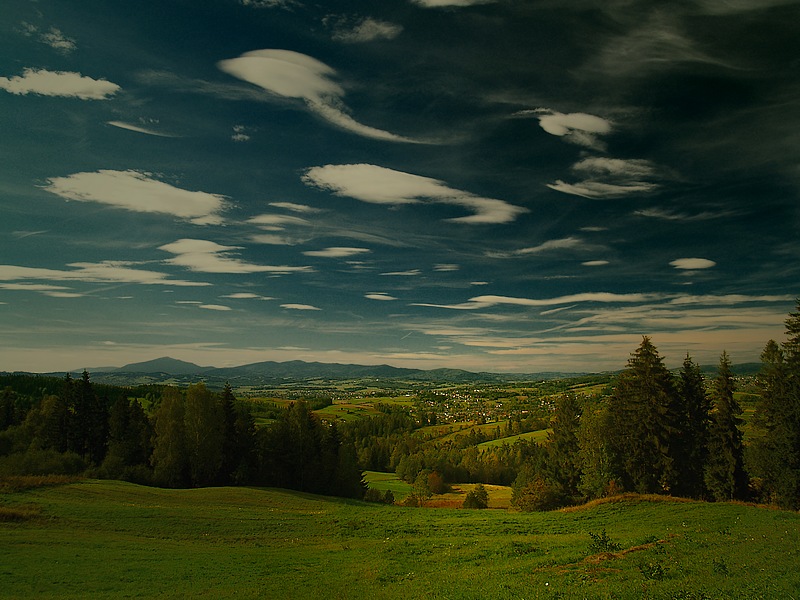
[{"x": 171, "y": 370}]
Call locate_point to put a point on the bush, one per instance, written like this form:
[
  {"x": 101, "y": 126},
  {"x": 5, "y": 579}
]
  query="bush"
[
  {"x": 42, "y": 462},
  {"x": 601, "y": 542},
  {"x": 477, "y": 498},
  {"x": 539, "y": 494}
]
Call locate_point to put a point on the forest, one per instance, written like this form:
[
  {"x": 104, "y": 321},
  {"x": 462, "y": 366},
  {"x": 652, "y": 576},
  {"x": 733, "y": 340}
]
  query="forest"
[{"x": 653, "y": 431}]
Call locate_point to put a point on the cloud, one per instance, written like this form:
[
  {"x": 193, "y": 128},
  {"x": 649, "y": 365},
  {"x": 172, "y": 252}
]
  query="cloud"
[
  {"x": 53, "y": 38},
  {"x": 59, "y": 83},
  {"x": 379, "y": 185},
  {"x": 609, "y": 178},
  {"x": 728, "y": 299},
  {"x": 139, "y": 192},
  {"x": 246, "y": 296},
  {"x": 103, "y": 272},
  {"x": 379, "y": 296},
  {"x": 284, "y": 4},
  {"x": 577, "y": 128},
  {"x": 298, "y": 208},
  {"x": 204, "y": 256},
  {"x": 276, "y": 222},
  {"x": 409, "y": 273},
  {"x": 218, "y": 307},
  {"x": 293, "y": 75},
  {"x": 692, "y": 263},
  {"x": 138, "y": 129},
  {"x": 445, "y": 3},
  {"x": 569, "y": 243},
  {"x": 299, "y": 307},
  {"x": 446, "y": 268},
  {"x": 594, "y": 263},
  {"x": 239, "y": 134},
  {"x": 668, "y": 215},
  {"x": 364, "y": 30},
  {"x": 480, "y": 302},
  {"x": 337, "y": 252}
]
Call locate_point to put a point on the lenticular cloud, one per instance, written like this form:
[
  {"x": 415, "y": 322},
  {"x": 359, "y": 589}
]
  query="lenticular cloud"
[{"x": 293, "y": 75}]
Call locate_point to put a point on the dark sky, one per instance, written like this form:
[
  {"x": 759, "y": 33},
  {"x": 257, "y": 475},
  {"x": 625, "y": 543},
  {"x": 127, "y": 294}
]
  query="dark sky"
[{"x": 502, "y": 186}]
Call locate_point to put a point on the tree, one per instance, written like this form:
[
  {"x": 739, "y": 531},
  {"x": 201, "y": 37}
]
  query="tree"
[
  {"x": 563, "y": 447},
  {"x": 643, "y": 421},
  {"x": 690, "y": 447},
  {"x": 775, "y": 455},
  {"x": 170, "y": 458},
  {"x": 204, "y": 427},
  {"x": 725, "y": 477},
  {"x": 477, "y": 498}
]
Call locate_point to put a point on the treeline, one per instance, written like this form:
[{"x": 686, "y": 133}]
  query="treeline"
[
  {"x": 186, "y": 438},
  {"x": 661, "y": 434}
]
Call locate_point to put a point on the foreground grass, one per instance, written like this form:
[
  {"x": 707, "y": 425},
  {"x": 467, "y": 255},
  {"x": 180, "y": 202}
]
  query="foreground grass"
[{"x": 112, "y": 539}]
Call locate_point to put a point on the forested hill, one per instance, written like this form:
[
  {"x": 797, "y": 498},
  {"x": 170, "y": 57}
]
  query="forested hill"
[{"x": 170, "y": 370}]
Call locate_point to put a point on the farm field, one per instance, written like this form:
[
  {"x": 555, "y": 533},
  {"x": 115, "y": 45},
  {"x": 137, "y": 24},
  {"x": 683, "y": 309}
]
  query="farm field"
[{"x": 105, "y": 539}]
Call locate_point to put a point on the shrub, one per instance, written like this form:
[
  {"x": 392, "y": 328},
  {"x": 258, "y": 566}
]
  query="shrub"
[
  {"x": 477, "y": 498},
  {"x": 601, "y": 542}
]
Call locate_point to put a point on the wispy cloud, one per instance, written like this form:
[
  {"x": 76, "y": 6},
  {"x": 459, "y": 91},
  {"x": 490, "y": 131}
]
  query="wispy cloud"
[
  {"x": 337, "y": 252},
  {"x": 297, "y": 76},
  {"x": 204, "y": 256},
  {"x": 137, "y": 191},
  {"x": 668, "y": 215},
  {"x": 246, "y": 296},
  {"x": 217, "y": 307},
  {"x": 480, "y": 302},
  {"x": 361, "y": 30},
  {"x": 409, "y": 273},
  {"x": 58, "y": 83},
  {"x": 53, "y": 37},
  {"x": 569, "y": 243},
  {"x": 299, "y": 307},
  {"x": 139, "y": 129},
  {"x": 293, "y": 207},
  {"x": 379, "y": 185},
  {"x": 379, "y": 296},
  {"x": 609, "y": 178},
  {"x": 446, "y": 3},
  {"x": 103, "y": 272}
]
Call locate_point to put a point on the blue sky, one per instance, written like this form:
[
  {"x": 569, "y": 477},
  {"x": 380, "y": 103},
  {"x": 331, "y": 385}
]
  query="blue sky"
[{"x": 489, "y": 185}]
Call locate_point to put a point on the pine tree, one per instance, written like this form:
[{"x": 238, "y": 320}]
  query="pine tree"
[
  {"x": 204, "y": 427},
  {"x": 563, "y": 447},
  {"x": 725, "y": 476},
  {"x": 643, "y": 420},
  {"x": 775, "y": 455},
  {"x": 690, "y": 445},
  {"x": 170, "y": 458}
]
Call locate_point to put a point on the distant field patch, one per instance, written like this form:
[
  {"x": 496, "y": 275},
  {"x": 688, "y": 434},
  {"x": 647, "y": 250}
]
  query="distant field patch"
[{"x": 539, "y": 437}]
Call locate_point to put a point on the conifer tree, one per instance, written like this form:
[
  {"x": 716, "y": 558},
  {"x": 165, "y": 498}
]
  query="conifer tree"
[
  {"x": 690, "y": 449},
  {"x": 643, "y": 420},
  {"x": 775, "y": 455},
  {"x": 563, "y": 447},
  {"x": 725, "y": 476},
  {"x": 170, "y": 457},
  {"x": 204, "y": 427}
]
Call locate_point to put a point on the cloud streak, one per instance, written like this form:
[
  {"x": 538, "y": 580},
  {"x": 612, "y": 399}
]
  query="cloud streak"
[
  {"x": 139, "y": 192},
  {"x": 204, "y": 256},
  {"x": 64, "y": 84},
  {"x": 297, "y": 76},
  {"x": 380, "y": 185}
]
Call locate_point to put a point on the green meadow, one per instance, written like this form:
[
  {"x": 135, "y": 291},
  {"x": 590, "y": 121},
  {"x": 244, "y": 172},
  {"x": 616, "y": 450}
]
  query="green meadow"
[{"x": 105, "y": 539}]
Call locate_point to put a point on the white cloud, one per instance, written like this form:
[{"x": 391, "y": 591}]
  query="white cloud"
[
  {"x": 692, "y": 263},
  {"x": 299, "y": 307},
  {"x": 53, "y": 38},
  {"x": 104, "y": 272},
  {"x": 337, "y": 252},
  {"x": 285, "y": 4},
  {"x": 276, "y": 222},
  {"x": 668, "y": 215},
  {"x": 445, "y": 3},
  {"x": 379, "y": 185},
  {"x": 137, "y": 191},
  {"x": 577, "y": 128},
  {"x": 409, "y": 273},
  {"x": 609, "y": 178},
  {"x": 728, "y": 299},
  {"x": 365, "y": 30},
  {"x": 446, "y": 268},
  {"x": 138, "y": 129},
  {"x": 569, "y": 243},
  {"x": 379, "y": 296},
  {"x": 298, "y": 208},
  {"x": 594, "y": 263},
  {"x": 480, "y": 302},
  {"x": 59, "y": 83},
  {"x": 209, "y": 257},
  {"x": 293, "y": 75},
  {"x": 218, "y": 307},
  {"x": 246, "y": 296},
  {"x": 31, "y": 287}
]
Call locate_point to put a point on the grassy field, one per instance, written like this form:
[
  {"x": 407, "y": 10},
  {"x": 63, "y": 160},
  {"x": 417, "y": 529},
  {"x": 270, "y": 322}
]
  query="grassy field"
[
  {"x": 113, "y": 540},
  {"x": 539, "y": 437}
]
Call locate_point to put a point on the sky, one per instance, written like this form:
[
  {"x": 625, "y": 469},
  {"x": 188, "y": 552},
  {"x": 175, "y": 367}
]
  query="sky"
[{"x": 491, "y": 185}]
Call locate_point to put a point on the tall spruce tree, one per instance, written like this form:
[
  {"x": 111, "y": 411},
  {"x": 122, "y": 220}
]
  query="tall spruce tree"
[
  {"x": 725, "y": 476},
  {"x": 643, "y": 419},
  {"x": 775, "y": 455},
  {"x": 690, "y": 445},
  {"x": 563, "y": 448},
  {"x": 170, "y": 457}
]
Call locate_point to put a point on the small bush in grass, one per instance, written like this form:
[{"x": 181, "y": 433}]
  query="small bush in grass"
[
  {"x": 477, "y": 498},
  {"x": 601, "y": 542},
  {"x": 652, "y": 570}
]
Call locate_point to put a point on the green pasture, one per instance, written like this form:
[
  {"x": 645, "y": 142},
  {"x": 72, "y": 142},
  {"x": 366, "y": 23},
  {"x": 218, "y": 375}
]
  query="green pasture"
[
  {"x": 96, "y": 539},
  {"x": 540, "y": 437},
  {"x": 387, "y": 481}
]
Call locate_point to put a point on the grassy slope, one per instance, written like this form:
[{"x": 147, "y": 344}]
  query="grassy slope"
[{"x": 111, "y": 539}]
